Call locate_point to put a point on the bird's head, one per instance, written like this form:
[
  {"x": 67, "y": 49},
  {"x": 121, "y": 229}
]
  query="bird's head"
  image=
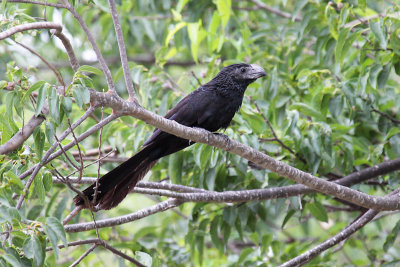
[{"x": 241, "y": 74}]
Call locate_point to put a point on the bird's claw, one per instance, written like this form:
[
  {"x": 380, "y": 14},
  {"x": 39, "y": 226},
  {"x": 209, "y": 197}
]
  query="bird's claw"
[{"x": 227, "y": 140}]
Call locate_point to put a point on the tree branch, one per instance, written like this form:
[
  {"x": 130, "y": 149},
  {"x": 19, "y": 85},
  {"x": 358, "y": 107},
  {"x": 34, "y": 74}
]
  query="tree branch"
[
  {"x": 55, "y": 71},
  {"x": 353, "y": 227},
  {"x": 275, "y": 11},
  {"x": 92, "y": 41},
  {"x": 122, "y": 52},
  {"x": 83, "y": 136},
  {"x": 364, "y": 20},
  {"x": 75, "y": 263},
  {"x": 19, "y": 138},
  {"x": 36, "y": 3},
  {"x": 342, "y": 235},
  {"x": 202, "y": 136},
  {"x": 160, "y": 207},
  {"x": 30, "y": 26}
]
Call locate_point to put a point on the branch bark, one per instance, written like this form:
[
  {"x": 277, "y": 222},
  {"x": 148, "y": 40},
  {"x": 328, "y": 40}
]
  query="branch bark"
[
  {"x": 122, "y": 51},
  {"x": 162, "y": 206},
  {"x": 36, "y": 3},
  {"x": 202, "y": 136},
  {"x": 275, "y": 11},
  {"x": 104, "y": 67},
  {"x": 30, "y": 26}
]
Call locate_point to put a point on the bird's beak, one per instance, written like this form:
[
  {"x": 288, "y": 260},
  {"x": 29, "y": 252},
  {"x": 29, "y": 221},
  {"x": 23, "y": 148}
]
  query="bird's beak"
[{"x": 256, "y": 72}]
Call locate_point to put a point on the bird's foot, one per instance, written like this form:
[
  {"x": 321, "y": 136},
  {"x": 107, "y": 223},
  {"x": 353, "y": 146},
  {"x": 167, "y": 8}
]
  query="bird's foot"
[{"x": 227, "y": 140}]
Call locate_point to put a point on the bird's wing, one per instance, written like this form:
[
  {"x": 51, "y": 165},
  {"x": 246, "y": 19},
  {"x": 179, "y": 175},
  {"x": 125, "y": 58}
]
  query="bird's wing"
[{"x": 186, "y": 112}]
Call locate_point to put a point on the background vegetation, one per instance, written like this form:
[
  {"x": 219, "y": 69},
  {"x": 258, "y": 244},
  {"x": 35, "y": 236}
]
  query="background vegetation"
[{"x": 328, "y": 106}]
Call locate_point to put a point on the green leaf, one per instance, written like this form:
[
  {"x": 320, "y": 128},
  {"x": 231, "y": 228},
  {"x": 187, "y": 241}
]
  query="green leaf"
[
  {"x": 33, "y": 250},
  {"x": 3, "y": 83},
  {"x": 11, "y": 259},
  {"x": 66, "y": 104},
  {"x": 144, "y": 258},
  {"x": 289, "y": 215},
  {"x": 41, "y": 100},
  {"x": 49, "y": 130},
  {"x": 39, "y": 139},
  {"x": 196, "y": 35},
  {"x": 55, "y": 231},
  {"x": 377, "y": 30},
  {"x": 318, "y": 211},
  {"x": 229, "y": 215},
  {"x": 383, "y": 76},
  {"x": 34, "y": 87},
  {"x": 13, "y": 179},
  {"x": 172, "y": 32},
  {"x": 214, "y": 233},
  {"x": 81, "y": 95},
  {"x": 54, "y": 105},
  {"x": 38, "y": 188},
  {"x": 224, "y": 10},
  {"x": 47, "y": 181},
  {"x": 392, "y": 131},
  {"x": 391, "y": 237},
  {"x": 175, "y": 167},
  {"x": 244, "y": 254},
  {"x": 340, "y": 44},
  {"x": 307, "y": 110},
  {"x": 90, "y": 69}
]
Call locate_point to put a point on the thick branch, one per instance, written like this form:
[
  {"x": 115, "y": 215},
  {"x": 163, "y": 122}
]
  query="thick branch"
[
  {"x": 19, "y": 138},
  {"x": 223, "y": 142},
  {"x": 190, "y": 194}
]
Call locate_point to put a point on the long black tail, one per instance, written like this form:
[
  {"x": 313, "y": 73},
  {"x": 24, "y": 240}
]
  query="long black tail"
[{"x": 116, "y": 184}]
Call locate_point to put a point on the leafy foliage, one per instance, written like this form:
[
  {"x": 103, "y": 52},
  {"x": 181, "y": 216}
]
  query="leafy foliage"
[{"x": 331, "y": 96}]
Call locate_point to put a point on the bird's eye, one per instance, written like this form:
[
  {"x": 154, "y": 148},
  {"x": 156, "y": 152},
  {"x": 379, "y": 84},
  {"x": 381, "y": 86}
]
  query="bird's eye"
[{"x": 242, "y": 70}]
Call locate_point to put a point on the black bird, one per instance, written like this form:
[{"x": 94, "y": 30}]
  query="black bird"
[{"x": 212, "y": 107}]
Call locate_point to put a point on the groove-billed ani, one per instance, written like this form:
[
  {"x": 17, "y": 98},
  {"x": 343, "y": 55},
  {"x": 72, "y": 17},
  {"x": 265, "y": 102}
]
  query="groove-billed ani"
[{"x": 212, "y": 106}]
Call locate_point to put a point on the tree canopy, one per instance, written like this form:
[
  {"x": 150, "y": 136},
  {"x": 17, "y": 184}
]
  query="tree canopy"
[{"x": 308, "y": 173}]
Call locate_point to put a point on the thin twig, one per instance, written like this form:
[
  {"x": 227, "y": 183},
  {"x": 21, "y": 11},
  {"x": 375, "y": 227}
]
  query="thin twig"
[
  {"x": 364, "y": 20},
  {"x": 122, "y": 51},
  {"x": 163, "y": 206},
  {"x": 36, "y": 3},
  {"x": 122, "y": 255},
  {"x": 275, "y": 11},
  {"x": 394, "y": 120},
  {"x": 55, "y": 71},
  {"x": 75, "y": 263},
  {"x": 80, "y": 169},
  {"x": 93, "y": 129},
  {"x": 72, "y": 214},
  {"x": 30, "y": 26},
  {"x": 272, "y": 129},
  {"x": 96, "y": 187},
  {"x": 104, "y": 67}
]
